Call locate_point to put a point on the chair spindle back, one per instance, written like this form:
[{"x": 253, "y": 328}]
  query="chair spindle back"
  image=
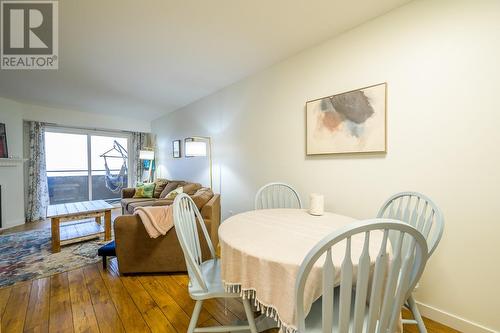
[
  {"x": 277, "y": 195},
  {"x": 186, "y": 220},
  {"x": 390, "y": 284},
  {"x": 419, "y": 211}
]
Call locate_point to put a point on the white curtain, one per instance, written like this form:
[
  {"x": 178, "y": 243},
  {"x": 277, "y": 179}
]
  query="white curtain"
[{"x": 37, "y": 187}]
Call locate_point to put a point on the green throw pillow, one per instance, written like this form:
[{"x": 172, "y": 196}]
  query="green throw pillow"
[{"x": 144, "y": 190}]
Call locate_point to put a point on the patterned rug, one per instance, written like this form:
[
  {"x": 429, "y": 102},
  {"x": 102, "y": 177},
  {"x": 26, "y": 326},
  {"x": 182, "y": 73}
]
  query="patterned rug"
[{"x": 27, "y": 255}]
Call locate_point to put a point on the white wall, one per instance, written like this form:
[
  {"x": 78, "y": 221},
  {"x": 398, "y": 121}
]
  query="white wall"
[
  {"x": 11, "y": 178},
  {"x": 441, "y": 62},
  {"x": 12, "y": 114}
]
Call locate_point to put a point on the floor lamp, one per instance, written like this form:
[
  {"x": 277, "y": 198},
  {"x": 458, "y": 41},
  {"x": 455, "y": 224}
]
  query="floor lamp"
[
  {"x": 195, "y": 148},
  {"x": 148, "y": 155}
]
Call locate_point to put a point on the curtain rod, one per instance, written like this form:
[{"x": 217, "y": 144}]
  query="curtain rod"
[{"x": 84, "y": 128}]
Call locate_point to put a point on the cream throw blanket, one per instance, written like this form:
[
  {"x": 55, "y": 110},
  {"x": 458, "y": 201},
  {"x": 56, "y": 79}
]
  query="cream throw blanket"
[{"x": 157, "y": 220}]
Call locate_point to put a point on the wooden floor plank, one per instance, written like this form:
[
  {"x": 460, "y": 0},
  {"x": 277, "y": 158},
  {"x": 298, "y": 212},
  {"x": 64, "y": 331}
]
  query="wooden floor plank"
[
  {"x": 181, "y": 279},
  {"x": 160, "y": 302},
  {"x": 234, "y": 305},
  {"x": 14, "y": 316},
  {"x": 210, "y": 322},
  {"x": 217, "y": 310},
  {"x": 151, "y": 312},
  {"x": 181, "y": 296},
  {"x": 129, "y": 314},
  {"x": 84, "y": 319},
  {"x": 4, "y": 298},
  {"x": 60, "y": 314},
  {"x": 37, "y": 316},
  {"x": 104, "y": 308},
  {"x": 225, "y": 311},
  {"x": 221, "y": 314},
  {"x": 432, "y": 326},
  {"x": 170, "y": 289},
  {"x": 167, "y": 304}
]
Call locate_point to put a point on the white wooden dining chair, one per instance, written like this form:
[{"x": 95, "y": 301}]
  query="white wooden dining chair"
[
  {"x": 277, "y": 195},
  {"x": 204, "y": 276},
  {"x": 422, "y": 213},
  {"x": 370, "y": 304}
]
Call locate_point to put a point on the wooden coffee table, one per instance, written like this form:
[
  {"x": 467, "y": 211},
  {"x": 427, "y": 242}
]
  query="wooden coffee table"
[{"x": 78, "y": 211}]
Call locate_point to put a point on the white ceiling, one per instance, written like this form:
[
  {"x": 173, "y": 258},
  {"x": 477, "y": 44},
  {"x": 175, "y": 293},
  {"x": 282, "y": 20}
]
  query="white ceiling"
[{"x": 142, "y": 59}]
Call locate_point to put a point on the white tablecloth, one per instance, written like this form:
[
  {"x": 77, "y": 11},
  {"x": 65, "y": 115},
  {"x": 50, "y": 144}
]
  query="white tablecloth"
[{"x": 261, "y": 252}]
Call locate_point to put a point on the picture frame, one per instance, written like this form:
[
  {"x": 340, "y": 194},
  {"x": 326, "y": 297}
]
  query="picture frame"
[
  {"x": 349, "y": 122},
  {"x": 176, "y": 148},
  {"x": 4, "y": 151}
]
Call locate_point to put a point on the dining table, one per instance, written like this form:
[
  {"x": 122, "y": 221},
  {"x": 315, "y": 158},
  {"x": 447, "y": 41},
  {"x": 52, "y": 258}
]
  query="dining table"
[{"x": 261, "y": 253}]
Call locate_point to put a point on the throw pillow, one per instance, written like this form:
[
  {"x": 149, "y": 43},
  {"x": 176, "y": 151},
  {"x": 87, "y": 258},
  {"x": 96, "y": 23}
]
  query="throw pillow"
[
  {"x": 144, "y": 190},
  {"x": 174, "y": 193},
  {"x": 168, "y": 188},
  {"x": 160, "y": 184},
  {"x": 202, "y": 196},
  {"x": 191, "y": 188}
]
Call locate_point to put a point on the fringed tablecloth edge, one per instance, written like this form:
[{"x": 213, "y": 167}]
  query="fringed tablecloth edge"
[{"x": 265, "y": 309}]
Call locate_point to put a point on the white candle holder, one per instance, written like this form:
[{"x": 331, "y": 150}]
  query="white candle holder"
[{"x": 316, "y": 204}]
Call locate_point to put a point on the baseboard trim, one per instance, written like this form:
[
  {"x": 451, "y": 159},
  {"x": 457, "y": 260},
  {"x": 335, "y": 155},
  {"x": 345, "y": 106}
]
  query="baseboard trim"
[
  {"x": 451, "y": 320},
  {"x": 11, "y": 224}
]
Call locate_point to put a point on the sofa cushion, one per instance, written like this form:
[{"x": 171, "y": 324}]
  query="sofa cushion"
[
  {"x": 202, "y": 196},
  {"x": 125, "y": 202},
  {"x": 163, "y": 202},
  {"x": 134, "y": 205},
  {"x": 191, "y": 188},
  {"x": 171, "y": 185},
  {"x": 160, "y": 184}
]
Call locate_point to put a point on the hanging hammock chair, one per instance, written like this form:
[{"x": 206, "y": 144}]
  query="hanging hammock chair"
[{"x": 115, "y": 183}]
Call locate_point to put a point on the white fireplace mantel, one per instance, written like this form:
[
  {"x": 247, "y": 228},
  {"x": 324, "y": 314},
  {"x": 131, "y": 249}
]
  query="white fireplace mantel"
[{"x": 12, "y": 162}]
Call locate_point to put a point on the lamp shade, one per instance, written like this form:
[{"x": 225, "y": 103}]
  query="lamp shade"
[
  {"x": 195, "y": 148},
  {"x": 146, "y": 155}
]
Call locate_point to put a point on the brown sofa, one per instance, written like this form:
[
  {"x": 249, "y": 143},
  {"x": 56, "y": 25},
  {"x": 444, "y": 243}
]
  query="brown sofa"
[
  {"x": 138, "y": 253},
  {"x": 129, "y": 203}
]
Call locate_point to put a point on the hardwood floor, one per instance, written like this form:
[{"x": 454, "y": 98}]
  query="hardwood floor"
[{"x": 89, "y": 299}]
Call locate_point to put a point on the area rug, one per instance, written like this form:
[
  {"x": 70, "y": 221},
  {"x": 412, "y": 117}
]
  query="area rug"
[{"x": 27, "y": 255}]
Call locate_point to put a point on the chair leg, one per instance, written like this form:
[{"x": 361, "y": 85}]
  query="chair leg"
[
  {"x": 194, "y": 316},
  {"x": 249, "y": 313},
  {"x": 416, "y": 315},
  {"x": 104, "y": 262}
]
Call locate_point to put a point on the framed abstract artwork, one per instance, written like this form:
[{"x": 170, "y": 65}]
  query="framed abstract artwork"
[
  {"x": 350, "y": 122},
  {"x": 4, "y": 152},
  {"x": 176, "y": 148}
]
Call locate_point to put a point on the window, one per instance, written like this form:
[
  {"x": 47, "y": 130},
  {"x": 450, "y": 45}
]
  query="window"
[{"x": 76, "y": 168}]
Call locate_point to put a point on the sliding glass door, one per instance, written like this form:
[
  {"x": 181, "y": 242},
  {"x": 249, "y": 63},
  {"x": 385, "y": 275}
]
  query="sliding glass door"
[
  {"x": 85, "y": 165},
  {"x": 110, "y": 188},
  {"x": 67, "y": 167}
]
